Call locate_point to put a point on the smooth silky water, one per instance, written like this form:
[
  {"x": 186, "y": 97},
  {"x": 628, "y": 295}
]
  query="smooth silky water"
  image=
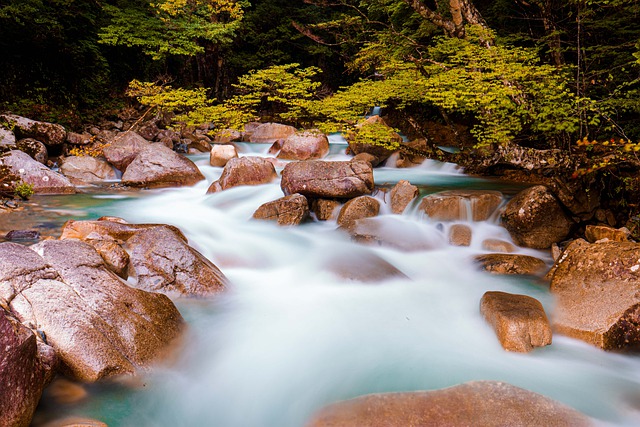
[{"x": 290, "y": 337}]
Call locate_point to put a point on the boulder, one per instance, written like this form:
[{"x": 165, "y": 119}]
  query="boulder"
[
  {"x": 325, "y": 209},
  {"x": 23, "y": 372},
  {"x": 14, "y": 235},
  {"x": 34, "y": 148},
  {"x": 158, "y": 166},
  {"x": 220, "y": 154},
  {"x": 518, "y": 320},
  {"x": 597, "y": 293},
  {"x": 511, "y": 264},
  {"x": 358, "y": 265},
  {"x": 249, "y": 170},
  {"x": 98, "y": 326},
  {"x": 460, "y": 235},
  {"x": 320, "y": 179},
  {"x": 379, "y": 151},
  {"x": 43, "y": 179},
  {"x": 149, "y": 130},
  {"x": 114, "y": 256},
  {"x": 307, "y": 145},
  {"x": 288, "y": 210},
  {"x": 357, "y": 208},
  {"x": 163, "y": 262},
  {"x": 50, "y": 134},
  {"x": 226, "y": 136},
  {"x": 401, "y": 195},
  {"x": 270, "y": 132},
  {"x": 593, "y": 233},
  {"x": 497, "y": 245},
  {"x": 7, "y": 140},
  {"x": 123, "y": 148},
  {"x": 87, "y": 170},
  {"x": 461, "y": 205},
  {"x": 476, "y": 403},
  {"x": 74, "y": 138},
  {"x": 535, "y": 218}
]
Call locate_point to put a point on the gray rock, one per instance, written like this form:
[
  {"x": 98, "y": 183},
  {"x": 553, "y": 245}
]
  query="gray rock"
[
  {"x": 87, "y": 170},
  {"x": 49, "y": 134},
  {"x": 43, "y": 180},
  {"x": 123, "y": 148},
  {"x": 158, "y": 166}
]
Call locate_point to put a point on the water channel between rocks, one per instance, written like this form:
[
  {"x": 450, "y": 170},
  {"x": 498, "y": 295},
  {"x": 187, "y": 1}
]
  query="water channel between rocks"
[{"x": 289, "y": 337}]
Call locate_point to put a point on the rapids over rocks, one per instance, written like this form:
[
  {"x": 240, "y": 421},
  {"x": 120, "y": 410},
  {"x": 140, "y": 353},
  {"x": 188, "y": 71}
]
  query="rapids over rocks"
[{"x": 293, "y": 334}]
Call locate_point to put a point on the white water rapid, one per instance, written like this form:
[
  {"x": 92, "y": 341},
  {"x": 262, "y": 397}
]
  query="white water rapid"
[{"x": 289, "y": 336}]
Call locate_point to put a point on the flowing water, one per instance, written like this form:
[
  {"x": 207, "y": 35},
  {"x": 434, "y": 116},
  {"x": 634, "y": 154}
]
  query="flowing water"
[{"x": 289, "y": 336}]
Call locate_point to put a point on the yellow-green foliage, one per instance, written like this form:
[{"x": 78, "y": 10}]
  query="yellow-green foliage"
[
  {"x": 375, "y": 134},
  {"x": 24, "y": 190},
  {"x": 166, "y": 98}
]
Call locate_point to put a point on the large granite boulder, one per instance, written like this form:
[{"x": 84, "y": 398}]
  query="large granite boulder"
[
  {"x": 247, "y": 170},
  {"x": 518, "y": 320},
  {"x": 123, "y": 148},
  {"x": 23, "y": 372},
  {"x": 307, "y": 145},
  {"x": 597, "y": 293},
  {"x": 270, "y": 132},
  {"x": 50, "y": 134},
  {"x": 158, "y": 256},
  {"x": 288, "y": 210},
  {"x": 158, "y": 166},
  {"x": 97, "y": 324},
  {"x": 43, "y": 179},
  {"x": 320, "y": 179},
  {"x": 461, "y": 205},
  {"x": 535, "y": 218},
  {"x": 477, "y": 403},
  {"x": 401, "y": 195},
  {"x": 82, "y": 170}
]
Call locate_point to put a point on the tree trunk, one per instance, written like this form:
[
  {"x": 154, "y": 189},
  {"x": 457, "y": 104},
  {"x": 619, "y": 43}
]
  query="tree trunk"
[{"x": 462, "y": 12}]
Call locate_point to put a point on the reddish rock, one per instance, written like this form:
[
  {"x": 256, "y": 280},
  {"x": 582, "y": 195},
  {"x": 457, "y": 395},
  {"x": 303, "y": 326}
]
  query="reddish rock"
[
  {"x": 271, "y": 132},
  {"x": 461, "y": 205},
  {"x": 114, "y": 256},
  {"x": 288, "y": 210},
  {"x": 307, "y": 145},
  {"x": 325, "y": 209},
  {"x": 511, "y": 264},
  {"x": 247, "y": 170},
  {"x": 597, "y": 293},
  {"x": 518, "y": 320},
  {"x": 401, "y": 195},
  {"x": 497, "y": 245},
  {"x": 460, "y": 235},
  {"x": 86, "y": 170},
  {"x": 34, "y": 148},
  {"x": 320, "y": 179},
  {"x": 359, "y": 265},
  {"x": 220, "y": 154},
  {"x": 535, "y": 218},
  {"x": 123, "y": 148},
  {"x": 357, "y": 208},
  {"x": 79, "y": 138},
  {"x": 593, "y": 233},
  {"x": 43, "y": 179},
  {"x": 158, "y": 166},
  {"x": 477, "y": 403}
]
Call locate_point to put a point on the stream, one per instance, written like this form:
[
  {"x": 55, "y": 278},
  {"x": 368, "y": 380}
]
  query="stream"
[{"x": 290, "y": 337}]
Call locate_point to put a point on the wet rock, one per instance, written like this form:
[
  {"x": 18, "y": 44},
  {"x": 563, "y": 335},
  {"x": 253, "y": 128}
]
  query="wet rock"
[
  {"x": 307, "y": 145},
  {"x": 75, "y": 422},
  {"x": 597, "y": 292},
  {"x": 395, "y": 232},
  {"x": 34, "y": 148},
  {"x": 66, "y": 392},
  {"x": 477, "y": 403},
  {"x": 518, "y": 320},
  {"x": 357, "y": 208},
  {"x": 359, "y": 266},
  {"x": 402, "y": 194},
  {"x": 593, "y": 233},
  {"x": 511, "y": 264},
  {"x": 270, "y": 132},
  {"x": 220, "y": 154},
  {"x": 98, "y": 326},
  {"x": 497, "y": 245},
  {"x": 86, "y": 170},
  {"x": 22, "y": 235},
  {"x": 380, "y": 152},
  {"x": 535, "y": 219},
  {"x": 163, "y": 262},
  {"x": 109, "y": 228},
  {"x": 50, "y": 134},
  {"x": 325, "y": 209},
  {"x": 288, "y": 210},
  {"x": 460, "y": 235},
  {"x": 461, "y": 205},
  {"x": 158, "y": 166},
  {"x": 43, "y": 179},
  {"x": 413, "y": 154},
  {"x": 23, "y": 375},
  {"x": 366, "y": 157},
  {"x": 123, "y": 148},
  {"x": 320, "y": 179},
  {"x": 247, "y": 170}
]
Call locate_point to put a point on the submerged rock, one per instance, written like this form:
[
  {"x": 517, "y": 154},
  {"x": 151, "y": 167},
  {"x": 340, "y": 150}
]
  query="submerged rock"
[
  {"x": 461, "y": 205},
  {"x": 320, "y": 179},
  {"x": 518, "y": 320},
  {"x": 511, "y": 264},
  {"x": 460, "y": 235},
  {"x": 477, "y": 403},
  {"x": 597, "y": 292}
]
